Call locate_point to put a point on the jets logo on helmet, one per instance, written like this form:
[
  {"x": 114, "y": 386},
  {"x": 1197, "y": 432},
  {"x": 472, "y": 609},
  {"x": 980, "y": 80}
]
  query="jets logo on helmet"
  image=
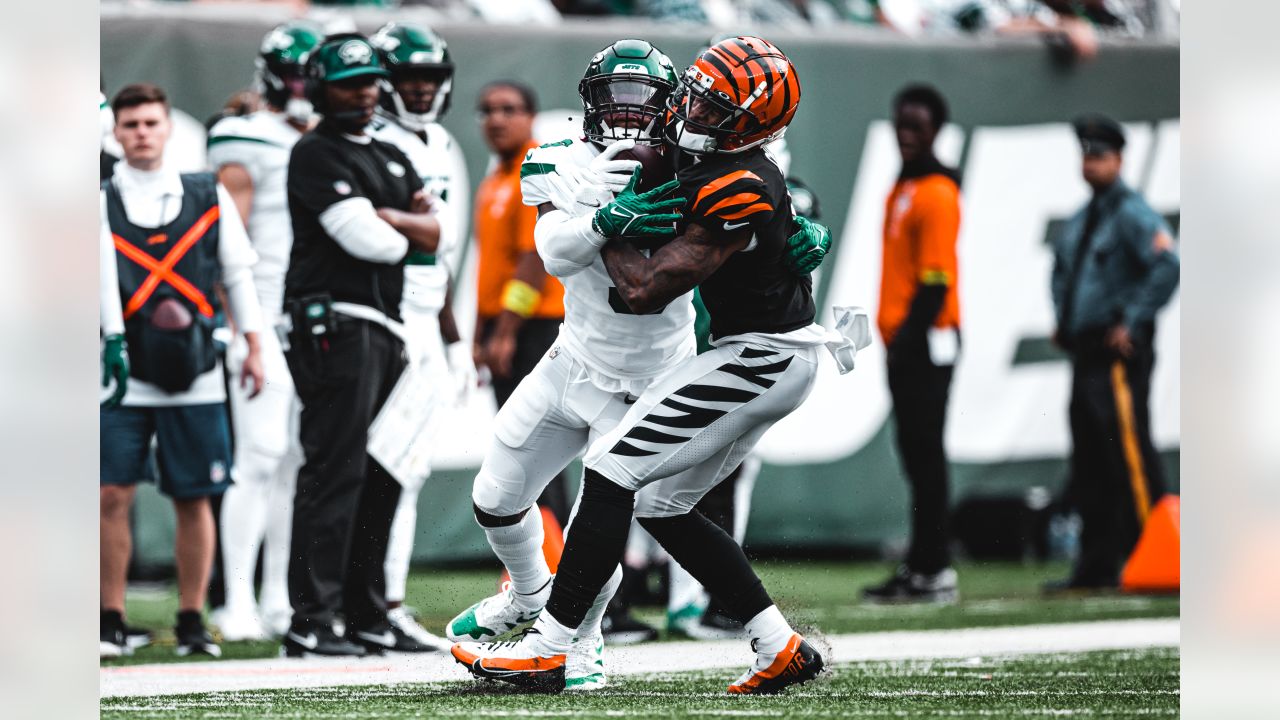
[
  {"x": 624, "y": 91},
  {"x": 281, "y": 67},
  {"x": 421, "y": 74},
  {"x": 738, "y": 94}
]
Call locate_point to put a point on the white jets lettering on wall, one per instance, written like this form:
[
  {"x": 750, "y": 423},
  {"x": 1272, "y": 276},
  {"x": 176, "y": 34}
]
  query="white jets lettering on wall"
[{"x": 1016, "y": 180}]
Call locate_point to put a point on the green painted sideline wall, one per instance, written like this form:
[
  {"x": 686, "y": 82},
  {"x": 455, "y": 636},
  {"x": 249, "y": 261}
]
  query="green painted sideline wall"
[{"x": 858, "y": 501}]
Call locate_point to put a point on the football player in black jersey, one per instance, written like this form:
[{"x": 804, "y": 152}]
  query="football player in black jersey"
[{"x": 709, "y": 412}]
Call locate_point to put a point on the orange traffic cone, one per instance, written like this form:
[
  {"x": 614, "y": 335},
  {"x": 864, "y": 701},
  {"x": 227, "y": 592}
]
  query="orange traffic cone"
[
  {"x": 1155, "y": 565},
  {"x": 552, "y": 539},
  {"x": 552, "y": 544}
]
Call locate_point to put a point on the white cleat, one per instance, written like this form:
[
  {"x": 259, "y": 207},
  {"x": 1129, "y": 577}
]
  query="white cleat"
[
  {"x": 239, "y": 626},
  {"x": 496, "y": 615},
  {"x": 584, "y": 669}
]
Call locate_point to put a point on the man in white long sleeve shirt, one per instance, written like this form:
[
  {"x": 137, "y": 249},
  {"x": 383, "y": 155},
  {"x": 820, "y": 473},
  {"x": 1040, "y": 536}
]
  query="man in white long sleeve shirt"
[
  {"x": 412, "y": 104},
  {"x": 357, "y": 211},
  {"x": 251, "y": 157},
  {"x": 175, "y": 237}
]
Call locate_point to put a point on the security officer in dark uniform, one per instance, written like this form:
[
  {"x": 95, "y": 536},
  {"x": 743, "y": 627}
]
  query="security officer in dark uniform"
[
  {"x": 357, "y": 211},
  {"x": 1115, "y": 266}
]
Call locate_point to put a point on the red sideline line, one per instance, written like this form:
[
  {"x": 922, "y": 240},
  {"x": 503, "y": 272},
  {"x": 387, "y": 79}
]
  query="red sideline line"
[{"x": 174, "y": 670}]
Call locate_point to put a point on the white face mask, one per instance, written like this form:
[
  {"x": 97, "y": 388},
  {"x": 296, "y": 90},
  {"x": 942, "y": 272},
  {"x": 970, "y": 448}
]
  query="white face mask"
[
  {"x": 299, "y": 109},
  {"x": 696, "y": 142}
]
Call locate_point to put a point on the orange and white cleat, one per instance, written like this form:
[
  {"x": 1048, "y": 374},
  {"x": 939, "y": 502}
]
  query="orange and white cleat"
[
  {"x": 774, "y": 672},
  {"x": 524, "y": 662}
]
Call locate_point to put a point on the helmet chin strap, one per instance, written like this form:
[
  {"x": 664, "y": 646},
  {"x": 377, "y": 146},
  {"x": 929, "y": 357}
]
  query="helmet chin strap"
[
  {"x": 692, "y": 141},
  {"x": 417, "y": 122}
]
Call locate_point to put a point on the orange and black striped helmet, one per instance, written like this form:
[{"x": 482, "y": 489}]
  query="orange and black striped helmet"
[{"x": 738, "y": 94}]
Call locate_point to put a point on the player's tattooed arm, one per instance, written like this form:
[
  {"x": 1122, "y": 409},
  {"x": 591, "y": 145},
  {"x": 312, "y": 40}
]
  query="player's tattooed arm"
[{"x": 649, "y": 283}]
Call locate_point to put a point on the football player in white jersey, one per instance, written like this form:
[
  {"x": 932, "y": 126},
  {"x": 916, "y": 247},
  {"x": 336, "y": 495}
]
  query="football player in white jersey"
[
  {"x": 408, "y": 117},
  {"x": 251, "y": 157},
  {"x": 605, "y": 357}
]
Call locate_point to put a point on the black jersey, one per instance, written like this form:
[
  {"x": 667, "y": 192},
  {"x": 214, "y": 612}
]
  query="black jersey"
[
  {"x": 326, "y": 168},
  {"x": 752, "y": 291}
]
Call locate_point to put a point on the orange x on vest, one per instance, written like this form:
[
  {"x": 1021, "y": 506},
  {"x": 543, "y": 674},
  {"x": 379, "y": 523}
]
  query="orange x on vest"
[{"x": 163, "y": 271}]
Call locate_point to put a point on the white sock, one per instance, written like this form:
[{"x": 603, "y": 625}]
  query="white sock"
[
  {"x": 242, "y": 524},
  {"x": 554, "y": 637},
  {"x": 400, "y": 546},
  {"x": 519, "y": 547},
  {"x": 770, "y": 630},
  {"x": 591, "y": 621},
  {"x": 275, "y": 552}
]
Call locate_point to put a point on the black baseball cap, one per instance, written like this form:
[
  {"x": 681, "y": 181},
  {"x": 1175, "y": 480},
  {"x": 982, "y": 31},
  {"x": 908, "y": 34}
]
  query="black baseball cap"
[{"x": 1098, "y": 134}]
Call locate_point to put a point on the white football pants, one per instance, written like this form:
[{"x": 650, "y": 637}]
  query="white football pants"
[
  {"x": 422, "y": 324},
  {"x": 258, "y": 507}
]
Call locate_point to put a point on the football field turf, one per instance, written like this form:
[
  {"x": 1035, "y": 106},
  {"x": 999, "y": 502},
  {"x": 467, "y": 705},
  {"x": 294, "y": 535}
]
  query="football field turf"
[
  {"x": 819, "y": 597},
  {"x": 1118, "y": 684},
  {"x": 818, "y": 594}
]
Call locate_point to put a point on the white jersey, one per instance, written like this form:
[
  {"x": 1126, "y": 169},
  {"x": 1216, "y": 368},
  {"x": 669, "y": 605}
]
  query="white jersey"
[
  {"x": 261, "y": 143},
  {"x": 438, "y": 161},
  {"x": 621, "y": 350}
]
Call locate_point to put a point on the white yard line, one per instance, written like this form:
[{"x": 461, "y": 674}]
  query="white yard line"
[{"x": 216, "y": 676}]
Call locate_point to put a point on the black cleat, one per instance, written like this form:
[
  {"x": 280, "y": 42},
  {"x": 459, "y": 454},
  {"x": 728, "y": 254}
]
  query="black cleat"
[
  {"x": 192, "y": 637},
  {"x": 908, "y": 586},
  {"x": 112, "y": 642},
  {"x": 318, "y": 642},
  {"x": 620, "y": 628}
]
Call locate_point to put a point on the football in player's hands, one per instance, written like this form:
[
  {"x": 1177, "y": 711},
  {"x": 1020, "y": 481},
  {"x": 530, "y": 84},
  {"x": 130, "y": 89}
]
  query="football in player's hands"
[{"x": 655, "y": 167}]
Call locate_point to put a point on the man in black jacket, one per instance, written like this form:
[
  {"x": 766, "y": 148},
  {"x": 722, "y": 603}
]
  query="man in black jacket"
[{"x": 358, "y": 211}]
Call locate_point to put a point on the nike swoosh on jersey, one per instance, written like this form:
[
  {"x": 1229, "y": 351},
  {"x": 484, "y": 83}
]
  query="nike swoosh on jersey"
[
  {"x": 595, "y": 204},
  {"x": 735, "y": 226}
]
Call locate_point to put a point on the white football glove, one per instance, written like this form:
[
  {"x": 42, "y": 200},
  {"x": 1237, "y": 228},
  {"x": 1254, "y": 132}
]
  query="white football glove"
[
  {"x": 463, "y": 371},
  {"x": 615, "y": 174}
]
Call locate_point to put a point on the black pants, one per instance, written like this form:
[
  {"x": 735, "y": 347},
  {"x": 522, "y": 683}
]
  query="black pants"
[
  {"x": 1116, "y": 475},
  {"x": 345, "y": 501},
  {"x": 920, "y": 390},
  {"x": 533, "y": 340}
]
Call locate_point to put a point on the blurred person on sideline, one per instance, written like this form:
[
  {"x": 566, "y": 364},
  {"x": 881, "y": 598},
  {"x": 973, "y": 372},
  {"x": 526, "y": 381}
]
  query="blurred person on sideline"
[
  {"x": 357, "y": 212},
  {"x": 412, "y": 103},
  {"x": 175, "y": 237},
  {"x": 519, "y": 307},
  {"x": 1115, "y": 266},
  {"x": 250, "y": 153},
  {"x": 920, "y": 323}
]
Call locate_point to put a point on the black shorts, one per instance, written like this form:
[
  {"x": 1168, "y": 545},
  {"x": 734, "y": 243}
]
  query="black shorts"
[{"x": 193, "y": 448}]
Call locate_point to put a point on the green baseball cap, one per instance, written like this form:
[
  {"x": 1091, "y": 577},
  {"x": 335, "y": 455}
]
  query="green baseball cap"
[{"x": 346, "y": 56}]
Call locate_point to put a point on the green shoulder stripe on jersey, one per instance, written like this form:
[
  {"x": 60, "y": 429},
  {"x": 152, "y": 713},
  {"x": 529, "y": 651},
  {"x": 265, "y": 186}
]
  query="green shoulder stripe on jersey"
[
  {"x": 528, "y": 169},
  {"x": 232, "y": 138},
  {"x": 559, "y": 143}
]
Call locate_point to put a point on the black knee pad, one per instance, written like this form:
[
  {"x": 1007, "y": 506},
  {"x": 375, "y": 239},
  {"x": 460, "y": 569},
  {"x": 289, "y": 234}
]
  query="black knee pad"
[{"x": 494, "y": 521}]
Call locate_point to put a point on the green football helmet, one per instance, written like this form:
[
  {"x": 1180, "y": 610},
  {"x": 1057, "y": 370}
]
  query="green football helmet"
[
  {"x": 281, "y": 67},
  {"x": 624, "y": 93},
  {"x": 409, "y": 49}
]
